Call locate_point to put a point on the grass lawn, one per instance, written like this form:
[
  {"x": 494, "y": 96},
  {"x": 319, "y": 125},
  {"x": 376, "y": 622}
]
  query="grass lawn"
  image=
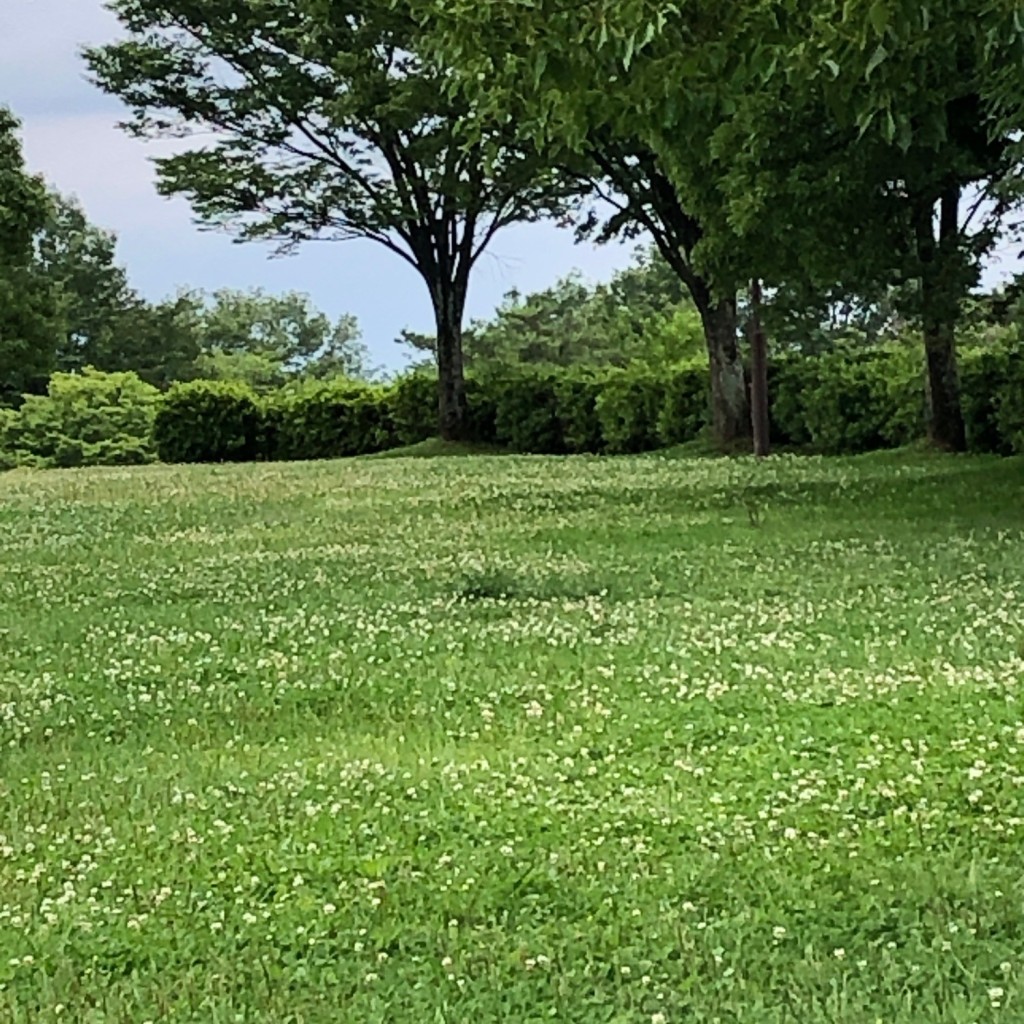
[{"x": 473, "y": 740}]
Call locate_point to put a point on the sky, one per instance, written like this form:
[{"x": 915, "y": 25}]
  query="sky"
[{"x": 70, "y": 136}]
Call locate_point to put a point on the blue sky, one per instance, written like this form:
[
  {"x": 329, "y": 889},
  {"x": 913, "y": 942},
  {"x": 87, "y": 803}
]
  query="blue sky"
[{"x": 70, "y": 136}]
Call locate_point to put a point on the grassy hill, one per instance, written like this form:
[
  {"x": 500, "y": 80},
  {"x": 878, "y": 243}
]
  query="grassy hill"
[{"x": 513, "y": 739}]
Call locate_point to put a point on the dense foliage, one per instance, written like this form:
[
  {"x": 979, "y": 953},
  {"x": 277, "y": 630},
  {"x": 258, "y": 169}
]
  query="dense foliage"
[
  {"x": 209, "y": 421},
  {"x": 843, "y": 401},
  {"x": 84, "y": 419},
  {"x": 28, "y": 313},
  {"x": 641, "y": 316}
]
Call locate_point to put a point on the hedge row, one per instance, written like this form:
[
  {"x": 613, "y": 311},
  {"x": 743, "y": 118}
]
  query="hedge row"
[
  {"x": 842, "y": 402},
  {"x": 539, "y": 412}
]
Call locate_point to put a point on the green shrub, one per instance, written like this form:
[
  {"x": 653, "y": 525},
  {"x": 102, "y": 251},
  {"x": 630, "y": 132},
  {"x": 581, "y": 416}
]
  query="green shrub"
[
  {"x": 629, "y": 408},
  {"x": 988, "y": 394},
  {"x": 8, "y": 418},
  {"x": 210, "y": 421},
  {"x": 685, "y": 411},
  {"x": 904, "y": 373},
  {"x": 1010, "y": 400},
  {"x": 482, "y": 402},
  {"x": 328, "y": 420},
  {"x": 848, "y": 400},
  {"x": 526, "y": 412},
  {"x": 845, "y": 402},
  {"x": 576, "y": 397},
  {"x": 86, "y": 419},
  {"x": 412, "y": 407},
  {"x": 787, "y": 378}
]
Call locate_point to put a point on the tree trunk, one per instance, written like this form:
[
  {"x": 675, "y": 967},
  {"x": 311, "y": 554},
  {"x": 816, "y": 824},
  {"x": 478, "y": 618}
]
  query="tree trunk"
[
  {"x": 758, "y": 375},
  {"x": 940, "y": 304},
  {"x": 453, "y": 417},
  {"x": 730, "y": 417}
]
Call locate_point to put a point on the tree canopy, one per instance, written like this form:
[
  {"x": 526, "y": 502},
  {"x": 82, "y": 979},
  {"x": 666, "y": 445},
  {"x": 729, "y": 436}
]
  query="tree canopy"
[
  {"x": 802, "y": 141},
  {"x": 317, "y": 120},
  {"x": 28, "y": 314}
]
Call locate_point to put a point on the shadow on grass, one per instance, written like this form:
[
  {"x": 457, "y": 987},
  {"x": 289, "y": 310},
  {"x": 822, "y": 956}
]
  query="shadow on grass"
[{"x": 435, "y": 448}]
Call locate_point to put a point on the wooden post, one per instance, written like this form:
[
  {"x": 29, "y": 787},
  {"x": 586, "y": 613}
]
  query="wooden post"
[{"x": 758, "y": 374}]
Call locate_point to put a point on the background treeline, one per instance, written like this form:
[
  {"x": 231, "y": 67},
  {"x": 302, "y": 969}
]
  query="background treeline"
[
  {"x": 830, "y": 189},
  {"x": 611, "y": 368},
  {"x": 71, "y": 305},
  {"x": 853, "y": 396}
]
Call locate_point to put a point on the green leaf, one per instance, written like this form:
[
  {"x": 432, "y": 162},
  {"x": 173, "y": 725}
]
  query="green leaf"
[
  {"x": 905, "y": 135},
  {"x": 833, "y": 67},
  {"x": 876, "y": 59},
  {"x": 879, "y": 17},
  {"x": 539, "y": 64},
  {"x": 890, "y": 126},
  {"x": 864, "y": 120}
]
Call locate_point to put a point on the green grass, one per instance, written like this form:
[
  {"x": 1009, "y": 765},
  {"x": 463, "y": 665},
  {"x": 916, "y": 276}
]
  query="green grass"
[{"x": 514, "y": 740}]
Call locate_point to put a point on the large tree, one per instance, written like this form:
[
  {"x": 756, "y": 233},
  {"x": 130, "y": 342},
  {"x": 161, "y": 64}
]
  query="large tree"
[
  {"x": 313, "y": 120},
  {"x": 902, "y": 104},
  {"x": 28, "y": 321},
  {"x": 899, "y": 184},
  {"x": 587, "y": 95},
  {"x": 935, "y": 90}
]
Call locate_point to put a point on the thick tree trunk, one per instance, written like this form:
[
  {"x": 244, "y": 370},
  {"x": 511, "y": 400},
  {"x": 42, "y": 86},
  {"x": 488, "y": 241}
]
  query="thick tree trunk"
[
  {"x": 758, "y": 376},
  {"x": 453, "y": 422},
  {"x": 730, "y": 416},
  {"x": 940, "y": 304}
]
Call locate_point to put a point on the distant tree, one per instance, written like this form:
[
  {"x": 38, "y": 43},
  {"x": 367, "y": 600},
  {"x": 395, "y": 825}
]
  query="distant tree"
[
  {"x": 285, "y": 331},
  {"x": 641, "y": 316},
  {"x": 78, "y": 261},
  {"x": 158, "y": 341},
  {"x": 809, "y": 322},
  {"x": 29, "y": 326},
  {"x": 316, "y": 120},
  {"x": 103, "y": 321}
]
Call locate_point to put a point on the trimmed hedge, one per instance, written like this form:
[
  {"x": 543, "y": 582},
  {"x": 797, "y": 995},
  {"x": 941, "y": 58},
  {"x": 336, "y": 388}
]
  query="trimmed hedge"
[
  {"x": 849, "y": 400},
  {"x": 844, "y": 401},
  {"x": 210, "y": 421},
  {"x": 327, "y": 421}
]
